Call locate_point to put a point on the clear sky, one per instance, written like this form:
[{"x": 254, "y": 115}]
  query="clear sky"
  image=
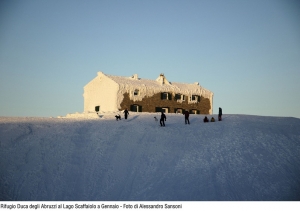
[{"x": 245, "y": 51}]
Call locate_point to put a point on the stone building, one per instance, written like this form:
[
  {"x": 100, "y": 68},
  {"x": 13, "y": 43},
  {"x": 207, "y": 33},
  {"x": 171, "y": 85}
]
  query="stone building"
[{"x": 107, "y": 93}]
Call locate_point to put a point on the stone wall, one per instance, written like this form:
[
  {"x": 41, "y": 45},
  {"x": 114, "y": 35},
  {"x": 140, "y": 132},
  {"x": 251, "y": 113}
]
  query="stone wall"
[{"x": 150, "y": 103}]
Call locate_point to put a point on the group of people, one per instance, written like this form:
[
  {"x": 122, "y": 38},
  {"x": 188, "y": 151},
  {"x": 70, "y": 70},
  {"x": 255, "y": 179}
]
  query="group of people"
[
  {"x": 213, "y": 119},
  {"x": 207, "y": 120},
  {"x": 163, "y": 117}
]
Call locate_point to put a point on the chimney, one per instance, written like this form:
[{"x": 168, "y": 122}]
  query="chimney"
[
  {"x": 135, "y": 76},
  {"x": 162, "y": 78}
]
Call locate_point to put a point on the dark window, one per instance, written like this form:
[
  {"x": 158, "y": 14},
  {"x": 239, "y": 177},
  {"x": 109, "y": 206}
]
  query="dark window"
[
  {"x": 166, "y": 96},
  {"x": 158, "y": 109},
  {"x": 133, "y": 108},
  {"x": 195, "y": 98},
  {"x": 136, "y": 108},
  {"x": 97, "y": 108},
  {"x": 136, "y": 92},
  {"x": 179, "y": 97}
]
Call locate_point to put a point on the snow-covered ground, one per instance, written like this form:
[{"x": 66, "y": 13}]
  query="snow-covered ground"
[{"x": 241, "y": 158}]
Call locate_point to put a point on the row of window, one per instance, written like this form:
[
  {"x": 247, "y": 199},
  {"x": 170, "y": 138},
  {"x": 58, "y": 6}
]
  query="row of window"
[
  {"x": 138, "y": 108},
  {"x": 176, "y": 110},
  {"x": 168, "y": 96},
  {"x": 178, "y": 97}
]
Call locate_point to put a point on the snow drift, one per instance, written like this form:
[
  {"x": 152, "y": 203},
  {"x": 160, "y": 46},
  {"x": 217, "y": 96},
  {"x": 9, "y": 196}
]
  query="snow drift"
[{"x": 241, "y": 158}]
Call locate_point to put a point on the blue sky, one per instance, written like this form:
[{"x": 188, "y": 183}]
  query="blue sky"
[{"x": 245, "y": 51}]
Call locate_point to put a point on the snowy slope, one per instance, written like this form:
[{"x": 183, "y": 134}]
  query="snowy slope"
[{"x": 241, "y": 158}]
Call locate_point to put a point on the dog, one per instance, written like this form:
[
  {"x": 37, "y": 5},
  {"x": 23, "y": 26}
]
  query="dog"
[
  {"x": 118, "y": 117},
  {"x": 155, "y": 118}
]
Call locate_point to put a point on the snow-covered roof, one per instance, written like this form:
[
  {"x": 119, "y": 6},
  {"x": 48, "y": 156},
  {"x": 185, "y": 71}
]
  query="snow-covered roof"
[
  {"x": 134, "y": 82},
  {"x": 160, "y": 84}
]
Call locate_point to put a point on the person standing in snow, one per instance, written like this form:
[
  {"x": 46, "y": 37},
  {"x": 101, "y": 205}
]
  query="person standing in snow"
[
  {"x": 163, "y": 118},
  {"x": 126, "y": 113},
  {"x": 220, "y": 114},
  {"x": 186, "y": 117}
]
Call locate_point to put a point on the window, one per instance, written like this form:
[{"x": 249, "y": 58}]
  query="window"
[
  {"x": 194, "y": 111},
  {"x": 166, "y": 96},
  {"x": 178, "y": 111},
  {"x": 160, "y": 109},
  {"x": 97, "y": 108},
  {"x": 179, "y": 97},
  {"x": 165, "y": 110},
  {"x": 136, "y": 108},
  {"x": 136, "y": 92},
  {"x": 195, "y": 98}
]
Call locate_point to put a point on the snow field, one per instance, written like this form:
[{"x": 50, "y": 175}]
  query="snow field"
[{"x": 241, "y": 158}]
